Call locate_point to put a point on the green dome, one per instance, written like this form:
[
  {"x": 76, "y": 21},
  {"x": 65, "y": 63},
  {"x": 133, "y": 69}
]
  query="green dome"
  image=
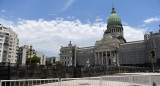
[{"x": 113, "y": 19}]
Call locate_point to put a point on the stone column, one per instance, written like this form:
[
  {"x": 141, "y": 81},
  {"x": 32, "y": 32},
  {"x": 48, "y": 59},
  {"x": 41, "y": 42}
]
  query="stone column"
[
  {"x": 118, "y": 63},
  {"x": 110, "y": 57},
  {"x": 95, "y": 59},
  {"x": 102, "y": 58},
  {"x": 106, "y": 59},
  {"x": 98, "y": 58}
]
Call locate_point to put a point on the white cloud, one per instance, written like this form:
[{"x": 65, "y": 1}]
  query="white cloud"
[
  {"x": 51, "y": 14},
  {"x": 70, "y": 17},
  {"x": 3, "y": 11},
  {"x": 124, "y": 23},
  {"x": 19, "y": 19},
  {"x": 49, "y": 36},
  {"x": 150, "y": 20},
  {"x": 68, "y": 4},
  {"x": 6, "y": 22},
  {"x": 98, "y": 20},
  {"x": 133, "y": 34}
]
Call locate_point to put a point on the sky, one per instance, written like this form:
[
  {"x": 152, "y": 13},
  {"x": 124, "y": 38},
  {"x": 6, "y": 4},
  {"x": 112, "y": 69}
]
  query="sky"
[{"x": 50, "y": 24}]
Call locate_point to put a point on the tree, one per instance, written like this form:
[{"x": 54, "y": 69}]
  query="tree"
[{"x": 34, "y": 60}]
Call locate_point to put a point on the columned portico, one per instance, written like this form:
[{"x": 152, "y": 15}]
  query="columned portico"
[
  {"x": 113, "y": 36},
  {"x": 103, "y": 58}
]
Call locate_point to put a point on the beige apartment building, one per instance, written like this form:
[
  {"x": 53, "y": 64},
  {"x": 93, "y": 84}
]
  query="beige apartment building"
[{"x": 8, "y": 45}]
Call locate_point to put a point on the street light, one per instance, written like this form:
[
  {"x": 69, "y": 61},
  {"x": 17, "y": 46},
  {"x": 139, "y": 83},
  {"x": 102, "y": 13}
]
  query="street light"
[
  {"x": 116, "y": 51},
  {"x": 152, "y": 58}
]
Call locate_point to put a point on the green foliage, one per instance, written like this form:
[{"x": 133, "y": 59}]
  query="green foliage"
[{"x": 34, "y": 60}]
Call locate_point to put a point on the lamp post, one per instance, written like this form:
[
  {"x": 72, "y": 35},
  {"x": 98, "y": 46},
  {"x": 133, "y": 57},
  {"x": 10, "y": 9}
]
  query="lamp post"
[
  {"x": 116, "y": 51},
  {"x": 152, "y": 58},
  {"x": 30, "y": 54}
]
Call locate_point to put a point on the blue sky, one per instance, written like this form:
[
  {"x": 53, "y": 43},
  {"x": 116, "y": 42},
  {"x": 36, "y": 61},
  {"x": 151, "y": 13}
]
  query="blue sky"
[{"x": 135, "y": 14}]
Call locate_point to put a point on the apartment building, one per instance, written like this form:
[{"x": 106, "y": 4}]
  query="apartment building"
[
  {"x": 42, "y": 57},
  {"x": 52, "y": 60},
  {"x": 8, "y": 45},
  {"x": 27, "y": 51}
]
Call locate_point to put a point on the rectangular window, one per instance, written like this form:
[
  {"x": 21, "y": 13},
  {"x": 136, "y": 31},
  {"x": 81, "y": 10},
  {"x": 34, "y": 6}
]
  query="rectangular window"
[
  {"x": 53, "y": 60},
  {"x": 5, "y": 51},
  {"x": 1, "y": 36},
  {"x": 7, "y": 34}
]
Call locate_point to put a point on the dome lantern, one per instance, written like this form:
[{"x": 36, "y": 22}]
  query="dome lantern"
[{"x": 113, "y": 19}]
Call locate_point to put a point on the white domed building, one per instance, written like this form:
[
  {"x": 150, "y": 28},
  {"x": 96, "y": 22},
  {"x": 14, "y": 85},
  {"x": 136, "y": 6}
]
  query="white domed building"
[{"x": 112, "y": 49}]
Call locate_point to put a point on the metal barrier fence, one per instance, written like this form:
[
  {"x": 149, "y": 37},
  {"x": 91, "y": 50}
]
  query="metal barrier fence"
[
  {"x": 131, "y": 80},
  {"x": 119, "y": 80},
  {"x": 29, "y": 82}
]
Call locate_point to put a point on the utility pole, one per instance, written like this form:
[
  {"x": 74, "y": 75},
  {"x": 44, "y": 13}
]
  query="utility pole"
[{"x": 30, "y": 54}]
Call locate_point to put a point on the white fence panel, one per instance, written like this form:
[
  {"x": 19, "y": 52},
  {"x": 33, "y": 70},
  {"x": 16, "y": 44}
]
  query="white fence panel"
[{"x": 119, "y": 80}]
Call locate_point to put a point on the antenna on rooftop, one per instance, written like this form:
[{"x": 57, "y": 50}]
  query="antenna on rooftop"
[
  {"x": 112, "y": 3},
  {"x": 70, "y": 43}
]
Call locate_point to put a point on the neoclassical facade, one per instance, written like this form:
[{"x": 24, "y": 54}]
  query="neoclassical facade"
[{"x": 112, "y": 49}]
